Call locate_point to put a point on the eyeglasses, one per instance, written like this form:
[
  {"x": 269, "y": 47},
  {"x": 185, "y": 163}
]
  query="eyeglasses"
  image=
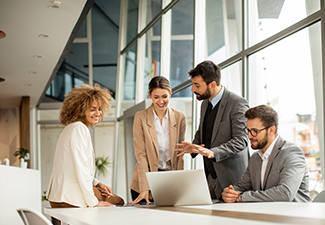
[{"x": 254, "y": 133}]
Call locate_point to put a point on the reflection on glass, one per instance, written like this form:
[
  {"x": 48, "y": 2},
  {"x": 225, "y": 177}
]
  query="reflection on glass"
[
  {"x": 223, "y": 29},
  {"x": 267, "y": 18},
  {"x": 130, "y": 71},
  {"x": 152, "y": 57},
  {"x": 153, "y": 8},
  {"x": 231, "y": 78},
  {"x": 186, "y": 92},
  {"x": 72, "y": 72},
  {"x": 182, "y": 17},
  {"x": 289, "y": 82},
  {"x": 132, "y": 20},
  {"x": 181, "y": 61},
  {"x": 105, "y": 31}
]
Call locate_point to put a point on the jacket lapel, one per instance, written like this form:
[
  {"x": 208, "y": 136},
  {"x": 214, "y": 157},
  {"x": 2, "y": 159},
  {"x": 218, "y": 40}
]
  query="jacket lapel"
[
  {"x": 204, "y": 107},
  {"x": 172, "y": 134},
  {"x": 222, "y": 106},
  {"x": 276, "y": 149},
  {"x": 152, "y": 129},
  {"x": 258, "y": 174}
]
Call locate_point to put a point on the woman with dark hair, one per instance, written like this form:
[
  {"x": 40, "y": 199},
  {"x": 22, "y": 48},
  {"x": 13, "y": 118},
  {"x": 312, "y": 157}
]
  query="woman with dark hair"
[
  {"x": 156, "y": 130},
  {"x": 72, "y": 182}
]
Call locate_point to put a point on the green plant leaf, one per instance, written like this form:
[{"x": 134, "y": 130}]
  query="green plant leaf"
[{"x": 102, "y": 163}]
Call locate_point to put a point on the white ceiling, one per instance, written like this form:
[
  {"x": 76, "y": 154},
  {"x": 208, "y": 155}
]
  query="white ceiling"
[{"x": 23, "y": 21}]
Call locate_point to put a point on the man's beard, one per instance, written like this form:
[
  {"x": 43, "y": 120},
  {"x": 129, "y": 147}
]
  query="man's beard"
[
  {"x": 261, "y": 144},
  {"x": 205, "y": 95}
]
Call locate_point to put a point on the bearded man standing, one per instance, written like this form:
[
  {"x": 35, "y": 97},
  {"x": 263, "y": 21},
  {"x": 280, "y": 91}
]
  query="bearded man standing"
[{"x": 221, "y": 137}]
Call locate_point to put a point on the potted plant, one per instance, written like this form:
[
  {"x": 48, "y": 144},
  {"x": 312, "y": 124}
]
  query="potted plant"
[
  {"x": 101, "y": 163},
  {"x": 22, "y": 152}
]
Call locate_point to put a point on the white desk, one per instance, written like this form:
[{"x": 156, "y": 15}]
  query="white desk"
[
  {"x": 222, "y": 213},
  {"x": 19, "y": 188}
]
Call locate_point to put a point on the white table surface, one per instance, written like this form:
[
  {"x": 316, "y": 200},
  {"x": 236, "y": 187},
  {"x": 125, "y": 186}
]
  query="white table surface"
[{"x": 285, "y": 212}]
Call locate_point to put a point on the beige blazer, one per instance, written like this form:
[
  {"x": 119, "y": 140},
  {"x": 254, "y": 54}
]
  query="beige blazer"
[
  {"x": 146, "y": 145},
  {"x": 72, "y": 179}
]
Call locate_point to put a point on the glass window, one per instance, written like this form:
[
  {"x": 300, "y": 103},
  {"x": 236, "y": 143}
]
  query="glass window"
[
  {"x": 105, "y": 31},
  {"x": 152, "y": 57},
  {"x": 286, "y": 76},
  {"x": 152, "y": 9},
  {"x": 223, "y": 29},
  {"x": 103, "y": 139},
  {"x": 182, "y": 17},
  {"x": 181, "y": 61},
  {"x": 132, "y": 20},
  {"x": 76, "y": 61},
  {"x": 73, "y": 71},
  {"x": 231, "y": 78},
  {"x": 185, "y": 105},
  {"x": 181, "y": 47},
  {"x": 267, "y": 18},
  {"x": 130, "y": 72}
]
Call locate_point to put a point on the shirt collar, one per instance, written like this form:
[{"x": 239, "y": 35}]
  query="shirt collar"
[
  {"x": 217, "y": 98},
  {"x": 155, "y": 115},
  {"x": 268, "y": 152}
]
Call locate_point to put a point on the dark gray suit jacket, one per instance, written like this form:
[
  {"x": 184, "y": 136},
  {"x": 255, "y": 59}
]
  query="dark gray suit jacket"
[
  {"x": 286, "y": 176},
  {"x": 229, "y": 140}
]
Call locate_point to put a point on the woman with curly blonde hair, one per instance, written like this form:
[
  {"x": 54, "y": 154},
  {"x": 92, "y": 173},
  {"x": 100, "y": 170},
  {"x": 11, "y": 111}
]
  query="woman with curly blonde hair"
[{"x": 72, "y": 182}]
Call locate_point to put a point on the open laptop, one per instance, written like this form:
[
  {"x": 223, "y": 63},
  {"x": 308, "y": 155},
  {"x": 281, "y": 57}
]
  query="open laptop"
[{"x": 179, "y": 187}]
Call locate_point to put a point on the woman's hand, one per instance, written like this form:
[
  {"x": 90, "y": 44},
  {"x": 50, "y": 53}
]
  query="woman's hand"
[
  {"x": 105, "y": 190},
  {"x": 142, "y": 195},
  {"x": 103, "y": 204}
]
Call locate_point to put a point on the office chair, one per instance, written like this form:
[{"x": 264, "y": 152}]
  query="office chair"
[
  {"x": 32, "y": 217},
  {"x": 320, "y": 197}
]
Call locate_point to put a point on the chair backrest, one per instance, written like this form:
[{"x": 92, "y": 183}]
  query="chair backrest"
[
  {"x": 32, "y": 217},
  {"x": 320, "y": 197}
]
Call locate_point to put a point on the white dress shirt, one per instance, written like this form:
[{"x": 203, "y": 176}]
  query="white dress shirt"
[
  {"x": 162, "y": 131},
  {"x": 265, "y": 157}
]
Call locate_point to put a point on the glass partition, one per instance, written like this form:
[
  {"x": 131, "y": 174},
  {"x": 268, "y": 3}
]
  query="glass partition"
[
  {"x": 286, "y": 76},
  {"x": 223, "y": 29},
  {"x": 231, "y": 78},
  {"x": 181, "y": 47},
  {"x": 152, "y": 56},
  {"x": 132, "y": 20},
  {"x": 152, "y": 9},
  {"x": 130, "y": 73},
  {"x": 105, "y": 31},
  {"x": 184, "y": 104},
  {"x": 266, "y": 18},
  {"x": 103, "y": 139}
]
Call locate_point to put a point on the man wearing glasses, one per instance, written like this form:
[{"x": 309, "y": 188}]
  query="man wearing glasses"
[{"x": 277, "y": 171}]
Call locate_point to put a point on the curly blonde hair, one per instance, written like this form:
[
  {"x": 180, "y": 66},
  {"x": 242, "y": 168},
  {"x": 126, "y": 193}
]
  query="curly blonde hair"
[{"x": 77, "y": 103}]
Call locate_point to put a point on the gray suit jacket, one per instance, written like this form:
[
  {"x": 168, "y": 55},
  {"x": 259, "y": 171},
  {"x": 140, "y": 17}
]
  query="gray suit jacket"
[
  {"x": 229, "y": 140},
  {"x": 286, "y": 176}
]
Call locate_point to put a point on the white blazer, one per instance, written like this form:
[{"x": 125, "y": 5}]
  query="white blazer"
[{"x": 72, "y": 177}]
